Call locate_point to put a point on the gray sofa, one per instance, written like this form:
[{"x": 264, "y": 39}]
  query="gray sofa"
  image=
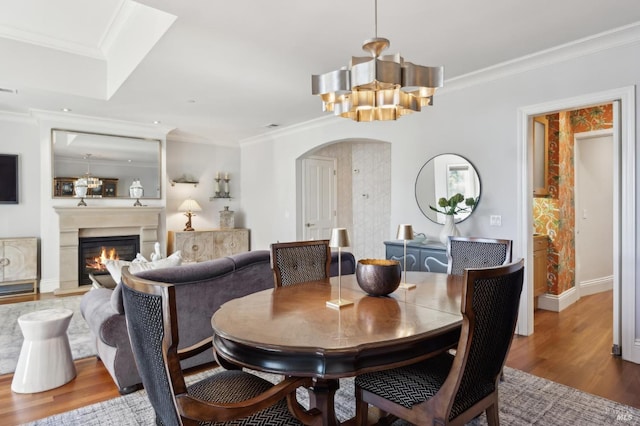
[{"x": 201, "y": 288}]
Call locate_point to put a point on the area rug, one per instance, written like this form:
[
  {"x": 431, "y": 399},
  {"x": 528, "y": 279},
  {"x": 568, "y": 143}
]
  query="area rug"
[
  {"x": 524, "y": 400},
  {"x": 80, "y": 338}
]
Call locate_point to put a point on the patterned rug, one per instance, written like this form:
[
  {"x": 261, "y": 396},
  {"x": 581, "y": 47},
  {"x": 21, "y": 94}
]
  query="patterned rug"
[
  {"x": 524, "y": 400},
  {"x": 80, "y": 338}
]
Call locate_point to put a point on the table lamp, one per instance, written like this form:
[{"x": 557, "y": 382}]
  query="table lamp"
[
  {"x": 189, "y": 206},
  {"x": 405, "y": 233},
  {"x": 339, "y": 239}
]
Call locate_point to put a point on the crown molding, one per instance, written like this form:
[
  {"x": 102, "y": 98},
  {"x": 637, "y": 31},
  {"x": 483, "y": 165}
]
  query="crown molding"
[
  {"x": 83, "y": 122},
  {"x": 622, "y": 36},
  {"x": 629, "y": 34},
  {"x": 17, "y": 117}
]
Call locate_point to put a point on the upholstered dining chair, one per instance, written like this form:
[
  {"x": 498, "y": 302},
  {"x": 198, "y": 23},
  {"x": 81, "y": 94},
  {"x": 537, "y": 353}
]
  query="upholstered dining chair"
[
  {"x": 300, "y": 261},
  {"x": 226, "y": 396},
  {"x": 453, "y": 389},
  {"x": 470, "y": 252}
]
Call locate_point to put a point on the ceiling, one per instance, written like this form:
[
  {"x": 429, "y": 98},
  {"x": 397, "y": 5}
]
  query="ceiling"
[{"x": 222, "y": 72}]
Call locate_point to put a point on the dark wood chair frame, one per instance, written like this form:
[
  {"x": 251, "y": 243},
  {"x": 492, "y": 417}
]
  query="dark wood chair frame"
[
  {"x": 437, "y": 409},
  {"x": 192, "y": 410},
  {"x": 277, "y": 271},
  {"x": 507, "y": 243}
]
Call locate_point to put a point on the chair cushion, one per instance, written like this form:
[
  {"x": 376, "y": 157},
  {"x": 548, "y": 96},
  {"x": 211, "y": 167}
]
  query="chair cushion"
[
  {"x": 235, "y": 385},
  {"x": 407, "y": 386}
]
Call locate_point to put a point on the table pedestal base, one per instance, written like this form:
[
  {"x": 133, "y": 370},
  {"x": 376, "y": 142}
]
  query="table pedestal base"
[{"x": 321, "y": 396}]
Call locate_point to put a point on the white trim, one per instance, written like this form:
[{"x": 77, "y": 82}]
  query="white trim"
[
  {"x": 597, "y": 285},
  {"x": 627, "y": 229},
  {"x": 551, "y": 302}
]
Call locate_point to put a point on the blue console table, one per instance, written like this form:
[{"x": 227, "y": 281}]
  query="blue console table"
[{"x": 427, "y": 257}]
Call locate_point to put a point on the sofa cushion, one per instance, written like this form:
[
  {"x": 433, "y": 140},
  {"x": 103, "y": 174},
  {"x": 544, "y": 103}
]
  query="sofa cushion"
[{"x": 135, "y": 267}]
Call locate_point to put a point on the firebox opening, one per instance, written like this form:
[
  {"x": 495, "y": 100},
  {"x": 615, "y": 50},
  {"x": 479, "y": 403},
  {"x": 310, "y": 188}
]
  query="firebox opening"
[{"x": 93, "y": 250}]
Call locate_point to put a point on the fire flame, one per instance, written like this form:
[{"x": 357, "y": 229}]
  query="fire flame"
[{"x": 97, "y": 263}]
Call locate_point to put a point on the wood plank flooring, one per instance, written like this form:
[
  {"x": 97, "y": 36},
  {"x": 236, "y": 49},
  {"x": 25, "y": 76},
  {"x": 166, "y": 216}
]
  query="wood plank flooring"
[{"x": 572, "y": 347}]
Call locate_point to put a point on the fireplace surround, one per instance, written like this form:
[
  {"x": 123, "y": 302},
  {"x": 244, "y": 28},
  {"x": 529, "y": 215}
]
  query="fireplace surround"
[{"x": 89, "y": 221}]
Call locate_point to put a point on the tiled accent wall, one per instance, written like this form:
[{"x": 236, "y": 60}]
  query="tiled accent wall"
[
  {"x": 554, "y": 215},
  {"x": 364, "y": 193},
  {"x": 371, "y": 198}
]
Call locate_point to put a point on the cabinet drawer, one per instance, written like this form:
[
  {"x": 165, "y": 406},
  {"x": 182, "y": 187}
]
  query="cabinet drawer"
[{"x": 413, "y": 257}]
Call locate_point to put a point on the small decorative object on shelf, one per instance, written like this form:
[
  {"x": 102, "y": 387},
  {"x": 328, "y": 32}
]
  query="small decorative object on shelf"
[
  {"x": 221, "y": 193},
  {"x": 227, "y": 218},
  {"x": 136, "y": 191},
  {"x": 185, "y": 179},
  {"x": 81, "y": 188}
]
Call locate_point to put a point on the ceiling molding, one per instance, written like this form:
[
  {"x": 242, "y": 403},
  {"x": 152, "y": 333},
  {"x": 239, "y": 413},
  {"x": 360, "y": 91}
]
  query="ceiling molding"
[
  {"x": 47, "y": 41},
  {"x": 109, "y": 126},
  {"x": 627, "y": 35}
]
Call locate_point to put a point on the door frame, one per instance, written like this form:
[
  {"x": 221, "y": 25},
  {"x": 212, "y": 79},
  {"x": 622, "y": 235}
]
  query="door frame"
[{"x": 626, "y": 230}]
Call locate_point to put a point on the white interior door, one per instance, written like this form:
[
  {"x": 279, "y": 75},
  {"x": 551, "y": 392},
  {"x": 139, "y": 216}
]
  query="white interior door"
[
  {"x": 318, "y": 197},
  {"x": 594, "y": 199}
]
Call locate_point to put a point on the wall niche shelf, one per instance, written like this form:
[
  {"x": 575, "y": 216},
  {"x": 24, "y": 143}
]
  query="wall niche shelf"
[
  {"x": 187, "y": 182},
  {"x": 219, "y": 197}
]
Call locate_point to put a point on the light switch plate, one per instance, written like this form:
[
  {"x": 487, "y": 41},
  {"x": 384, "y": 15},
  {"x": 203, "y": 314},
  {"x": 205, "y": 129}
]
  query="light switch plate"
[{"x": 495, "y": 220}]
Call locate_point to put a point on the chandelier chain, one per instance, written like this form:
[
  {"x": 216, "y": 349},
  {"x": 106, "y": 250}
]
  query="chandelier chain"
[{"x": 375, "y": 22}]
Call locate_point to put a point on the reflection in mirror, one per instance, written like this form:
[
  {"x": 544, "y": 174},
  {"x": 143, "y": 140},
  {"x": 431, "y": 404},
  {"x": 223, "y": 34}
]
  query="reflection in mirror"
[
  {"x": 116, "y": 161},
  {"x": 443, "y": 176}
]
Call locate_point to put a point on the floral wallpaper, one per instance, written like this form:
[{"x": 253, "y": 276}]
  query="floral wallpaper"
[{"x": 554, "y": 214}]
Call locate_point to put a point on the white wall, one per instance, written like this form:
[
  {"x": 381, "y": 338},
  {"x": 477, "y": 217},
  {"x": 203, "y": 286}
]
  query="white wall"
[
  {"x": 19, "y": 135},
  {"x": 202, "y": 162}
]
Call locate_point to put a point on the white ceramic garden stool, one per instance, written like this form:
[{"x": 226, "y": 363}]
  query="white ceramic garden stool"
[{"x": 45, "y": 360}]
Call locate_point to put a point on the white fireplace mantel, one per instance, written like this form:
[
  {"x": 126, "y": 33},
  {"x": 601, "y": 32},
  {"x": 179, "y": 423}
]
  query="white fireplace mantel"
[{"x": 89, "y": 221}]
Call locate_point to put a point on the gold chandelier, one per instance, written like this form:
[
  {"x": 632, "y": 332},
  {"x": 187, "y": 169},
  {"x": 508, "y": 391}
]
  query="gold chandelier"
[{"x": 377, "y": 87}]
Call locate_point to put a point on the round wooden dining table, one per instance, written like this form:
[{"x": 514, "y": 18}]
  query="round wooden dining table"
[{"x": 291, "y": 331}]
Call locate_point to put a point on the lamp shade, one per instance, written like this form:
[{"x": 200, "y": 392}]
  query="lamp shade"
[
  {"x": 405, "y": 232},
  {"x": 339, "y": 238},
  {"x": 189, "y": 205}
]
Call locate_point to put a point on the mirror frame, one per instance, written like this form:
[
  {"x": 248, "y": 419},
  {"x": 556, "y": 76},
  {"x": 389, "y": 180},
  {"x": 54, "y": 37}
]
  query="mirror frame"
[
  {"x": 540, "y": 156},
  {"x": 423, "y": 179},
  {"x": 113, "y": 151}
]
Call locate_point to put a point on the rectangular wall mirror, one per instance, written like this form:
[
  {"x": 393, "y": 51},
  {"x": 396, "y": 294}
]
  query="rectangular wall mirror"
[
  {"x": 540, "y": 157},
  {"x": 115, "y": 161}
]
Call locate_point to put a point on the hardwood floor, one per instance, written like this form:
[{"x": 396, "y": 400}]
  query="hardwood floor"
[{"x": 572, "y": 347}]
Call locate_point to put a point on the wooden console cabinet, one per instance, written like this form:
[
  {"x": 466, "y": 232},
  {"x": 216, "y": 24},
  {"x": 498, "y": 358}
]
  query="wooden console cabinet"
[
  {"x": 198, "y": 246},
  {"x": 430, "y": 257},
  {"x": 540, "y": 247},
  {"x": 18, "y": 266}
]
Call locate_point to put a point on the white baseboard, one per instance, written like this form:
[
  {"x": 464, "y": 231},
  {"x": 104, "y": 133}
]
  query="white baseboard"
[
  {"x": 557, "y": 303},
  {"x": 596, "y": 286},
  {"x": 49, "y": 285}
]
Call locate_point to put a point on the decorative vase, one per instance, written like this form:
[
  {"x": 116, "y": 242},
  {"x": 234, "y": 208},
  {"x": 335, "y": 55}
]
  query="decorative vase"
[
  {"x": 449, "y": 229},
  {"x": 226, "y": 218}
]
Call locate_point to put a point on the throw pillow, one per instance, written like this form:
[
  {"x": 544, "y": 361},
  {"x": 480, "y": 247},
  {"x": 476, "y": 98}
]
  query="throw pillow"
[{"x": 115, "y": 269}]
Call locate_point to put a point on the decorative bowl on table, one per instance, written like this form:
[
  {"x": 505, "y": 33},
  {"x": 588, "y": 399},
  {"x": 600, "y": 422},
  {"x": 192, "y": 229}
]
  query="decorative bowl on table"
[{"x": 378, "y": 277}]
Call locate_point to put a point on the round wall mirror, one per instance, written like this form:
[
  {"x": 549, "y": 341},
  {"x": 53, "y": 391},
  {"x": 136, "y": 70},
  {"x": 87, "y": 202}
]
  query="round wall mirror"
[{"x": 444, "y": 176}]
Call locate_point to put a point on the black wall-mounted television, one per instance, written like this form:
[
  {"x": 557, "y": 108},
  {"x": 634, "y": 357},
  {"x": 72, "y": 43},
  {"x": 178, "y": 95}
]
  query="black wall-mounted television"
[{"x": 8, "y": 179}]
